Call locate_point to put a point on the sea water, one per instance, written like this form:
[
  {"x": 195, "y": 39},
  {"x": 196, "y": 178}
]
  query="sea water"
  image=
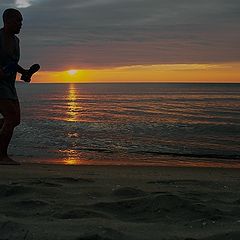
[{"x": 129, "y": 124}]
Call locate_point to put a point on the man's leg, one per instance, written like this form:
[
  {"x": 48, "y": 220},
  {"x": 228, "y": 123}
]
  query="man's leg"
[
  {"x": 5, "y": 143},
  {"x": 1, "y": 123},
  {"x": 11, "y": 112}
]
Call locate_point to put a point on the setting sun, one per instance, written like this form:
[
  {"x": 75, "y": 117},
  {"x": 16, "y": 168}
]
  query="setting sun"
[
  {"x": 221, "y": 72},
  {"x": 72, "y": 72}
]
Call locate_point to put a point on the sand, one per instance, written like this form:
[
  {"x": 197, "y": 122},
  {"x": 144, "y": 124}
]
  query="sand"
[{"x": 104, "y": 202}]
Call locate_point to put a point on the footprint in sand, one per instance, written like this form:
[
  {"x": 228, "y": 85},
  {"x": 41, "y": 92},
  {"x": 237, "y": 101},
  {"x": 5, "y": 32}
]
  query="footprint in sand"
[
  {"x": 72, "y": 180},
  {"x": 31, "y": 204},
  {"x": 104, "y": 234},
  {"x": 39, "y": 182},
  {"x": 12, "y": 230},
  {"x": 79, "y": 214},
  {"x": 128, "y": 192},
  {"x": 9, "y": 190}
]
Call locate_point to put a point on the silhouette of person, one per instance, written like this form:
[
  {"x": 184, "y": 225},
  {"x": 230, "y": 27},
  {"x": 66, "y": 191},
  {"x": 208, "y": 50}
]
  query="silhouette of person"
[{"x": 9, "y": 57}]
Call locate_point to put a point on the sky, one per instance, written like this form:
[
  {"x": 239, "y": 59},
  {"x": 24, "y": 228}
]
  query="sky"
[{"x": 131, "y": 40}]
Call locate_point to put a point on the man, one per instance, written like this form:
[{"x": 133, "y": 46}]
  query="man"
[{"x": 9, "y": 57}]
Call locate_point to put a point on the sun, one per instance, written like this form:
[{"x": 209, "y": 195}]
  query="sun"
[{"x": 72, "y": 72}]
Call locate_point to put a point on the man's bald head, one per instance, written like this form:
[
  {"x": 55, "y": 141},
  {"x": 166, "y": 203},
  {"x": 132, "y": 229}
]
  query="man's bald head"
[
  {"x": 12, "y": 19},
  {"x": 9, "y": 14}
]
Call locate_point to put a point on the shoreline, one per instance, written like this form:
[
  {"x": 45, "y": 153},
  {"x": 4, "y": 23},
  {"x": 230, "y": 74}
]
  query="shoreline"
[{"x": 178, "y": 163}]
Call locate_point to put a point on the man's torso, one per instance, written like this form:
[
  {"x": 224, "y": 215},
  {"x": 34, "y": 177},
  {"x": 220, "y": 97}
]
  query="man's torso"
[{"x": 9, "y": 56}]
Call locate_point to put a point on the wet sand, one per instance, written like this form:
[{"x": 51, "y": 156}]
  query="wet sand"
[{"x": 103, "y": 202}]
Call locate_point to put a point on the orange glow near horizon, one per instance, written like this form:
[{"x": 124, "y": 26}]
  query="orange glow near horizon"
[{"x": 221, "y": 73}]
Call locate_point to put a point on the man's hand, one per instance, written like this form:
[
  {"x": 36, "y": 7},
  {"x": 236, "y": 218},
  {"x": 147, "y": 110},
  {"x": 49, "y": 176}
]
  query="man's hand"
[{"x": 26, "y": 76}]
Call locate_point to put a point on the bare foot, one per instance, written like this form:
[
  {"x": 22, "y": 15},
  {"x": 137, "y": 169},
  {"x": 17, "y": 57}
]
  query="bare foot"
[{"x": 6, "y": 160}]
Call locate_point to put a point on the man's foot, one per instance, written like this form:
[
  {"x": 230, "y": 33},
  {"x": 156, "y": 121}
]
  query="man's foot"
[{"x": 6, "y": 160}]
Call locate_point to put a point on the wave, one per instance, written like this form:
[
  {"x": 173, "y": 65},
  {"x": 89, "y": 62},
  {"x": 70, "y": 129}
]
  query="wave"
[
  {"x": 191, "y": 155},
  {"x": 159, "y": 153}
]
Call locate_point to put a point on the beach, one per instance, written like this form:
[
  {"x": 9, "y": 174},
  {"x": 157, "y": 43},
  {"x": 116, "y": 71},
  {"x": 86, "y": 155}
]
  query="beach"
[{"x": 41, "y": 201}]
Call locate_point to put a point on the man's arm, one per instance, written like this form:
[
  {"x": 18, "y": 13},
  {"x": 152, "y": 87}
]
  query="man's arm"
[
  {"x": 17, "y": 68},
  {"x": 21, "y": 70},
  {"x": 1, "y": 72}
]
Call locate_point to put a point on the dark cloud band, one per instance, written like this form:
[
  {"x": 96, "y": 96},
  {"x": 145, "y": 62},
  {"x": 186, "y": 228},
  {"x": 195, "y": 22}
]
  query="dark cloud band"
[{"x": 103, "y": 33}]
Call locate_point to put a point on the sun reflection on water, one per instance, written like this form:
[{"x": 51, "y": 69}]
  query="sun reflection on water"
[
  {"x": 72, "y": 112},
  {"x": 72, "y": 105},
  {"x": 71, "y": 157}
]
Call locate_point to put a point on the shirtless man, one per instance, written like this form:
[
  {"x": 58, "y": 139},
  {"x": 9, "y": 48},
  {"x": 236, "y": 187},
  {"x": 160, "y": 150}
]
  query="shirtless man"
[{"x": 9, "y": 57}]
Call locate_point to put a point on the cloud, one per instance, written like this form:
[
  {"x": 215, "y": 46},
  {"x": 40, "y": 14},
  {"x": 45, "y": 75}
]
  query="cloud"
[
  {"x": 101, "y": 33},
  {"x": 23, "y": 3},
  {"x": 176, "y": 67}
]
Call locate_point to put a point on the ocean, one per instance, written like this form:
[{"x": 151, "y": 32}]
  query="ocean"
[{"x": 146, "y": 124}]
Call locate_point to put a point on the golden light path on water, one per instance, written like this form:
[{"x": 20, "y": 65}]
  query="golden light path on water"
[
  {"x": 72, "y": 106},
  {"x": 71, "y": 155}
]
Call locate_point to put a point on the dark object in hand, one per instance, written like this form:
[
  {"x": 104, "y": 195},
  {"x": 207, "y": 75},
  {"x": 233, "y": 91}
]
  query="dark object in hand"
[{"x": 27, "y": 76}]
